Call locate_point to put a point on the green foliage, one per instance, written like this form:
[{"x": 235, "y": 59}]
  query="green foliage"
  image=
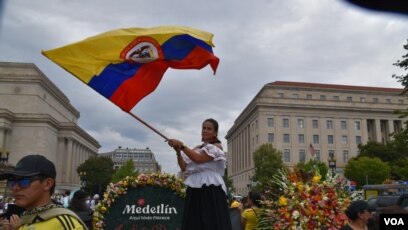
[
  {"x": 229, "y": 184},
  {"x": 392, "y": 153},
  {"x": 310, "y": 167},
  {"x": 128, "y": 169},
  {"x": 401, "y": 138},
  {"x": 386, "y": 152},
  {"x": 400, "y": 169},
  {"x": 367, "y": 170},
  {"x": 99, "y": 171},
  {"x": 403, "y": 64},
  {"x": 267, "y": 162}
]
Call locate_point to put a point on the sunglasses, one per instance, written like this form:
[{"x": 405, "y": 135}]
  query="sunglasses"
[{"x": 22, "y": 182}]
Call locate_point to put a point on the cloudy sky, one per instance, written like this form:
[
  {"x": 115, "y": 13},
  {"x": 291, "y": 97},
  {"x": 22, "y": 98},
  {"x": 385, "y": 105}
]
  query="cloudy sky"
[{"x": 257, "y": 41}]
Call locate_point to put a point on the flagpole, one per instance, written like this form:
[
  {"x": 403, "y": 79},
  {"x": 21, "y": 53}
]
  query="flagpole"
[{"x": 149, "y": 126}]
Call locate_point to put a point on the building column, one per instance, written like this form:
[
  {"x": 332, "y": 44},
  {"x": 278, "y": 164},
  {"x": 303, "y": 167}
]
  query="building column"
[
  {"x": 69, "y": 161},
  {"x": 391, "y": 128},
  {"x": 377, "y": 126}
]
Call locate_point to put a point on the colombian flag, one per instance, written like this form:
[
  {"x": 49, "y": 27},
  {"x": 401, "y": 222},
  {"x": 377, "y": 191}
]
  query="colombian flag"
[{"x": 125, "y": 65}]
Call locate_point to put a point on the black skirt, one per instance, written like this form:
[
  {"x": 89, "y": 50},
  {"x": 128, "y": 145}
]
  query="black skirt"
[{"x": 206, "y": 208}]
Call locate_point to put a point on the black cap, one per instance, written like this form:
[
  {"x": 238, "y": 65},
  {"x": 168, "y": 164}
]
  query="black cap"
[{"x": 31, "y": 165}]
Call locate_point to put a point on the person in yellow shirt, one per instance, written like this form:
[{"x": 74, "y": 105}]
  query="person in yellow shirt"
[
  {"x": 249, "y": 217},
  {"x": 32, "y": 182},
  {"x": 235, "y": 203}
]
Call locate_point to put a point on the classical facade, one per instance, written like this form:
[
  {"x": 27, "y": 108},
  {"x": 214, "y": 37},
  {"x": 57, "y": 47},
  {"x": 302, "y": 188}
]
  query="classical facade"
[
  {"x": 143, "y": 159},
  {"x": 296, "y": 117},
  {"x": 37, "y": 118}
]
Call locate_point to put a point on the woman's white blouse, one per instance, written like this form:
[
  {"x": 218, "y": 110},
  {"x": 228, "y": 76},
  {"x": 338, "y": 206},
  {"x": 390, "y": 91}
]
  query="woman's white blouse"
[{"x": 208, "y": 173}]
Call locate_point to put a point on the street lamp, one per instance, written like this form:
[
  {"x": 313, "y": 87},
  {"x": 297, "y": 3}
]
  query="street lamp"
[
  {"x": 4, "y": 156},
  {"x": 332, "y": 164},
  {"x": 82, "y": 177}
]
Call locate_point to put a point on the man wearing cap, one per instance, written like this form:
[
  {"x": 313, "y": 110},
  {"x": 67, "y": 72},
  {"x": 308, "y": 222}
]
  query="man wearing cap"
[{"x": 32, "y": 182}]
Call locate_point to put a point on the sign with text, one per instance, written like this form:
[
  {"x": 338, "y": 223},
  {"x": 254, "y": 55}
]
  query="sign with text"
[
  {"x": 393, "y": 221},
  {"x": 146, "y": 208}
]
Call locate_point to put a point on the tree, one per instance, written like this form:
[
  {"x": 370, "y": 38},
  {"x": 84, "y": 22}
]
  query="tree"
[
  {"x": 367, "y": 170},
  {"x": 229, "y": 184},
  {"x": 402, "y": 136},
  {"x": 386, "y": 152},
  {"x": 403, "y": 64},
  {"x": 99, "y": 171},
  {"x": 267, "y": 162},
  {"x": 128, "y": 169},
  {"x": 400, "y": 169}
]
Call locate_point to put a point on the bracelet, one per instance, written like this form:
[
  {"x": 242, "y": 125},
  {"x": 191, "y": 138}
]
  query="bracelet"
[
  {"x": 178, "y": 154},
  {"x": 183, "y": 146}
]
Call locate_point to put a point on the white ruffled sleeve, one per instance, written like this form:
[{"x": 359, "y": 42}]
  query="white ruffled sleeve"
[{"x": 214, "y": 152}]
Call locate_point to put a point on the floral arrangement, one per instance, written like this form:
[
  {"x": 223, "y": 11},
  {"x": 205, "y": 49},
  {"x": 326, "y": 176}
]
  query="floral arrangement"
[
  {"x": 305, "y": 202},
  {"x": 115, "y": 190}
]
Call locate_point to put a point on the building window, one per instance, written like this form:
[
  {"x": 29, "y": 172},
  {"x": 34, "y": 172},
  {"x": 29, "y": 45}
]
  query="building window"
[
  {"x": 280, "y": 95},
  {"x": 271, "y": 137},
  {"x": 301, "y": 138},
  {"x": 315, "y": 139},
  {"x": 343, "y": 124},
  {"x": 285, "y": 123},
  {"x": 388, "y": 101},
  {"x": 362, "y": 99},
  {"x": 323, "y": 97},
  {"x": 336, "y": 98},
  {"x": 345, "y": 156},
  {"x": 295, "y": 96},
  {"x": 309, "y": 96},
  {"x": 315, "y": 124},
  {"x": 331, "y": 153},
  {"x": 358, "y": 140},
  {"x": 375, "y": 100},
  {"x": 357, "y": 125},
  {"x": 257, "y": 139},
  {"x": 302, "y": 155},
  {"x": 270, "y": 122},
  {"x": 301, "y": 123},
  {"x": 317, "y": 155},
  {"x": 286, "y": 138},
  {"x": 329, "y": 124},
  {"x": 330, "y": 139},
  {"x": 256, "y": 124},
  {"x": 344, "y": 139},
  {"x": 349, "y": 99},
  {"x": 286, "y": 155},
  {"x": 400, "y": 101}
]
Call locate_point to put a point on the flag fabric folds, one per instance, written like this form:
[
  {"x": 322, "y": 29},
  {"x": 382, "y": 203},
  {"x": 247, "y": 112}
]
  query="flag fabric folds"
[
  {"x": 125, "y": 65},
  {"x": 312, "y": 150}
]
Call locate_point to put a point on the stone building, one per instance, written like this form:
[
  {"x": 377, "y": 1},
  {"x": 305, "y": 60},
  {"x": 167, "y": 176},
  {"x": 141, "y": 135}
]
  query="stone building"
[
  {"x": 143, "y": 159},
  {"x": 295, "y": 116},
  {"x": 37, "y": 118}
]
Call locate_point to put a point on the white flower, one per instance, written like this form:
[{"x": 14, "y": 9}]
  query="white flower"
[{"x": 295, "y": 214}]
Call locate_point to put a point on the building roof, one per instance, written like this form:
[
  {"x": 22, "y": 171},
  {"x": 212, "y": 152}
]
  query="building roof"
[{"x": 332, "y": 86}]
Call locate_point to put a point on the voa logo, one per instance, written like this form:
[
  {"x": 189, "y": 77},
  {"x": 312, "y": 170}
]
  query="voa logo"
[{"x": 394, "y": 221}]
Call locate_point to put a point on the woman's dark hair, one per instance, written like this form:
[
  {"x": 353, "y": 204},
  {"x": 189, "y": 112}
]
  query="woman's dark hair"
[
  {"x": 255, "y": 197},
  {"x": 215, "y": 125},
  {"x": 78, "y": 201},
  {"x": 355, "y": 208}
]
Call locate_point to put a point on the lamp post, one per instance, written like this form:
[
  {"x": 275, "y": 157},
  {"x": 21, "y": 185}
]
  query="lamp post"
[
  {"x": 332, "y": 164},
  {"x": 4, "y": 156},
  {"x": 82, "y": 177}
]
